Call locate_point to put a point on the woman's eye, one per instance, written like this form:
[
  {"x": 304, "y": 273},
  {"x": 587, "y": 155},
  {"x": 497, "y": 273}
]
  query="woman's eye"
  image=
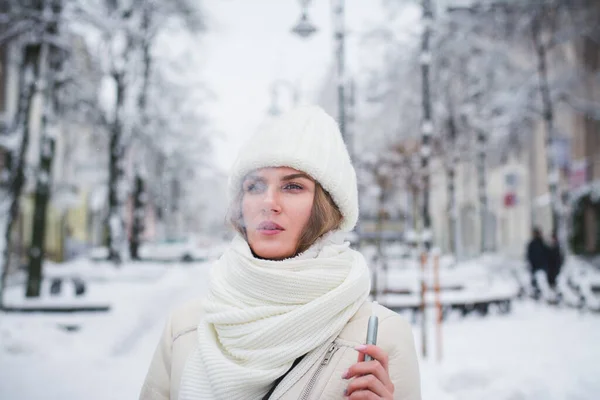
[
  {"x": 293, "y": 186},
  {"x": 253, "y": 187}
]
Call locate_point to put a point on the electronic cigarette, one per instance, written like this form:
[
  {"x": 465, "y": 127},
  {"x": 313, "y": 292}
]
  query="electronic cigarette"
[{"x": 372, "y": 332}]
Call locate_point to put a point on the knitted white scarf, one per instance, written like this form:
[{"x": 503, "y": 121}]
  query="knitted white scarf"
[{"x": 261, "y": 315}]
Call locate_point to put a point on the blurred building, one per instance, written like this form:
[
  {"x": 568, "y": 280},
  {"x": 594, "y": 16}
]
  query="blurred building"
[
  {"x": 517, "y": 181},
  {"x": 576, "y": 65},
  {"x": 508, "y": 217}
]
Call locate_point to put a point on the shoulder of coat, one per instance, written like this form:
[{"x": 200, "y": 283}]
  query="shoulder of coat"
[
  {"x": 369, "y": 308},
  {"x": 356, "y": 327},
  {"x": 185, "y": 318}
]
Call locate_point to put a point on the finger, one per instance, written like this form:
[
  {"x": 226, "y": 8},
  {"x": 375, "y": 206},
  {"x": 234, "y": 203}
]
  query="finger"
[
  {"x": 374, "y": 351},
  {"x": 367, "y": 383},
  {"x": 366, "y": 368},
  {"x": 361, "y": 357},
  {"x": 363, "y": 395}
]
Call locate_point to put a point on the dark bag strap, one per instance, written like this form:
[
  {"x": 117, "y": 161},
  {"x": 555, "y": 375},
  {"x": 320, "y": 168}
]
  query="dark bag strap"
[{"x": 296, "y": 362}]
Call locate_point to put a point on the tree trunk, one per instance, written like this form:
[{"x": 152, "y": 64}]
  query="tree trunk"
[
  {"x": 116, "y": 184},
  {"x": 548, "y": 113},
  {"x": 138, "y": 218},
  {"x": 451, "y": 186},
  {"x": 427, "y": 122},
  {"x": 138, "y": 197},
  {"x": 341, "y": 74},
  {"x": 49, "y": 62},
  {"x": 29, "y": 68},
  {"x": 42, "y": 195},
  {"x": 481, "y": 188},
  {"x": 115, "y": 175}
]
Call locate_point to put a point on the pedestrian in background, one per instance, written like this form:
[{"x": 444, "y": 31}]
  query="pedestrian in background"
[
  {"x": 555, "y": 261},
  {"x": 287, "y": 312},
  {"x": 537, "y": 257}
]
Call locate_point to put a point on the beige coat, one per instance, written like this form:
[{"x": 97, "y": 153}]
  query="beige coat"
[{"x": 323, "y": 380}]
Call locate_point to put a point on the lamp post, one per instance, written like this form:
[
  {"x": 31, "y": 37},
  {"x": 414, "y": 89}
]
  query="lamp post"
[
  {"x": 426, "y": 133},
  {"x": 305, "y": 28},
  {"x": 427, "y": 121}
]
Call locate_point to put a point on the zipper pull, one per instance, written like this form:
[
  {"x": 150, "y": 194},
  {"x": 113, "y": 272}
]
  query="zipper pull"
[{"x": 329, "y": 354}]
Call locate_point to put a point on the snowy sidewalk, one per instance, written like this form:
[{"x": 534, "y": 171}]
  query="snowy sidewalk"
[
  {"x": 536, "y": 352},
  {"x": 108, "y": 356}
]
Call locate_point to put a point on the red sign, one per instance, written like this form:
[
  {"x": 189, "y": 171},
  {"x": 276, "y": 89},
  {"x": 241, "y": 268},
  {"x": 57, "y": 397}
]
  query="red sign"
[{"x": 510, "y": 200}]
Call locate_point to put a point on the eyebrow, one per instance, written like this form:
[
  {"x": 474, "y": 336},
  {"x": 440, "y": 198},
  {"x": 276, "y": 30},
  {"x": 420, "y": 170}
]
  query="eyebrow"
[
  {"x": 285, "y": 178},
  {"x": 296, "y": 176},
  {"x": 254, "y": 177}
]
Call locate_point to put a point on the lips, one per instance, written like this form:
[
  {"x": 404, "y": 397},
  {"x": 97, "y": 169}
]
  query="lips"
[{"x": 269, "y": 226}]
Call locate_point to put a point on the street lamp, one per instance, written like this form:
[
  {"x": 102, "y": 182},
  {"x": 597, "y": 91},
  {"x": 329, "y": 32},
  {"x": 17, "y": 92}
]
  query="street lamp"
[{"x": 304, "y": 28}]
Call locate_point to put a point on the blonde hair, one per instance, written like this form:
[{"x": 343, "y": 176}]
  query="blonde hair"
[{"x": 325, "y": 216}]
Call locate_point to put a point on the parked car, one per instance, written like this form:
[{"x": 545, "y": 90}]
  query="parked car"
[
  {"x": 98, "y": 253},
  {"x": 187, "y": 249}
]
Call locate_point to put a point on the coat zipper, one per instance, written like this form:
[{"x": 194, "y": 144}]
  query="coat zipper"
[{"x": 313, "y": 379}]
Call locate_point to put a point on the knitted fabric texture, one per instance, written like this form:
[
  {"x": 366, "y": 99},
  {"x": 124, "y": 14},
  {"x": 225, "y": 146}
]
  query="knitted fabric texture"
[
  {"x": 261, "y": 315},
  {"x": 309, "y": 140}
]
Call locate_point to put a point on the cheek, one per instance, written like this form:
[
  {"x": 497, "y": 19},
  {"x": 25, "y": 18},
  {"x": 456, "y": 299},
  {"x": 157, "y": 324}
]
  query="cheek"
[
  {"x": 301, "y": 211},
  {"x": 248, "y": 207}
]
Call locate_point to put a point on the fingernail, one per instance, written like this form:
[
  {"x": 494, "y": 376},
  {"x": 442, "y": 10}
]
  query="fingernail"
[
  {"x": 345, "y": 374},
  {"x": 346, "y": 392},
  {"x": 361, "y": 347}
]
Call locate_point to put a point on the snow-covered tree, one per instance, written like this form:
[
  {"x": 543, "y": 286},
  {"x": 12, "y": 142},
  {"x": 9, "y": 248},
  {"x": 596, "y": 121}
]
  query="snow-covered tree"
[
  {"x": 125, "y": 31},
  {"x": 37, "y": 28},
  {"x": 91, "y": 62},
  {"x": 157, "y": 17}
]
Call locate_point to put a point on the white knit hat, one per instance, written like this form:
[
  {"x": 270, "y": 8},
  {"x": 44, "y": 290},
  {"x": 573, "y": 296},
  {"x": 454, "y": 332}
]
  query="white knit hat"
[{"x": 309, "y": 140}]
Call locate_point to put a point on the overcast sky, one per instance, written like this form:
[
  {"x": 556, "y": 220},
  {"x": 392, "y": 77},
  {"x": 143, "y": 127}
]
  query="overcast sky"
[{"x": 250, "y": 45}]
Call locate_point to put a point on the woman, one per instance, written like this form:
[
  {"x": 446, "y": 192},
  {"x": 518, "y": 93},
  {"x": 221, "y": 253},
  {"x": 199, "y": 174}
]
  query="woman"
[{"x": 286, "y": 315}]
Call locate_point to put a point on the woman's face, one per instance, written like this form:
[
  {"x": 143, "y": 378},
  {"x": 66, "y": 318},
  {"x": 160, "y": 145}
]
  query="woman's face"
[{"x": 276, "y": 206}]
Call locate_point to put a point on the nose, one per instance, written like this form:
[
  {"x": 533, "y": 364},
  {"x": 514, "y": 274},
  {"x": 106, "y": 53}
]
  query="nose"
[{"x": 271, "y": 200}]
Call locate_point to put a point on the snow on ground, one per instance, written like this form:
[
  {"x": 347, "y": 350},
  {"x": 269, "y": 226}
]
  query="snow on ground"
[
  {"x": 536, "y": 352},
  {"x": 107, "y": 358}
]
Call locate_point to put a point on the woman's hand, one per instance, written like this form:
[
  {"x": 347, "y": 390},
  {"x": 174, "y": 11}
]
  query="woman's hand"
[{"x": 370, "y": 379}]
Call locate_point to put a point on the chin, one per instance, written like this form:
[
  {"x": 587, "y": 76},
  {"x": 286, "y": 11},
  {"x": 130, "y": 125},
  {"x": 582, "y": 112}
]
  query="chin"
[{"x": 271, "y": 250}]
